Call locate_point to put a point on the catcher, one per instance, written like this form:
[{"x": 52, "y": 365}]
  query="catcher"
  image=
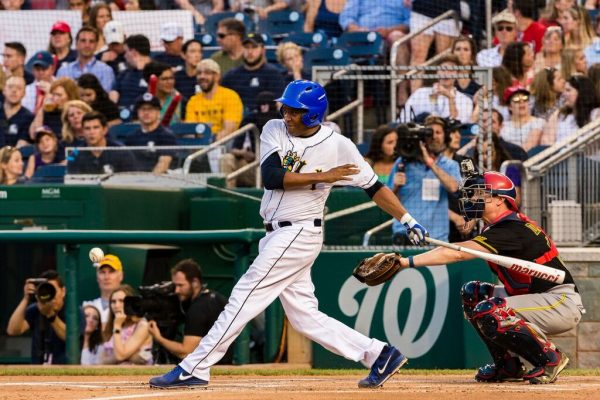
[{"x": 513, "y": 319}]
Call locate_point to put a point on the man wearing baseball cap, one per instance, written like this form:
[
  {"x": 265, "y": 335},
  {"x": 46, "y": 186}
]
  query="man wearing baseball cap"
[
  {"x": 255, "y": 75},
  {"x": 505, "y": 27},
  {"x": 43, "y": 67},
  {"x": 109, "y": 275},
  {"x": 147, "y": 109},
  {"x": 171, "y": 35},
  {"x": 114, "y": 56},
  {"x": 61, "y": 40}
]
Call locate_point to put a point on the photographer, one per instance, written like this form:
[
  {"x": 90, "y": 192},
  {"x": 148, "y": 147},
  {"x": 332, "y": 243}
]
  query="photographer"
[
  {"x": 45, "y": 317},
  {"x": 202, "y": 308},
  {"x": 422, "y": 177}
]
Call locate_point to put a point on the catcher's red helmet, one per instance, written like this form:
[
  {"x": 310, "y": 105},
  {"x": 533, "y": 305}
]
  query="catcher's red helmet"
[{"x": 502, "y": 186}]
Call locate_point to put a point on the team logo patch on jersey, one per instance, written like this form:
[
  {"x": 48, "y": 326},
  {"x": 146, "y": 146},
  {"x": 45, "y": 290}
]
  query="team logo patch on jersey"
[{"x": 292, "y": 162}]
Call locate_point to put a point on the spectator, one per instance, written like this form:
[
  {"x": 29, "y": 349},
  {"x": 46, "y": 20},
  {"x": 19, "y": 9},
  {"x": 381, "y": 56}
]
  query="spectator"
[
  {"x": 13, "y": 60},
  {"x": 171, "y": 35},
  {"x": 523, "y": 128},
  {"x": 547, "y": 87},
  {"x": 11, "y": 166},
  {"x": 201, "y": 9},
  {"x": 505, "y": 27},
  {"x": 530, "y": 31},
  {"x": 62, "y": 90},
  {"x": 130, "y": 83},
  {"x": 185, "y": 78},
  {"x": 573, "y": 62},
  {"x": 382, "y": 151},
  {"x": 94, "y": 95},
  {"x": 324, "y": 15},
  {"x": 43, "y": 66},
  {"x": 552, "y": 47},
  {"x": 255, "y": 75},
  {"x": 518, "y": 60},
  {"x": 11, "y": 5},
  {"x": 127, "y": 340},
  {"x": 86, "y": 42},
  {"x": 501, "y": 79},
  {"x": 71, "y": 117},
  {"x": 553, "y": 7},
  {"x": 60, "y": 43},
  {"x": 423, "y": 183},
  {"x": 580, "y": 107},
  {"x": 423, "y": 11},
  {"x": 243, "y": 149},
  {"x": 230, "y": 33},
  {"x": 114, "y": 55},
  {"x": 165, "y": 89},
  {"x": 289, "y": 55},
  {"x": 14, "y": 118},
  {"x": 109, "y": 271},
  {"x": 100, "y": 15},
  {"x": 464, "y": 48},
  {"x": 202, "y": 308},
  {"x": 576, "y": 26},
  {"x": 95, "y": 130},
  {"x": 45, "y": 318},
  {"x": 147, "y": 108},
  {"x": 84, "y": 7},
  {"x": 441, "y": 99},
  {"x": 46, "y": 151},
  {"x": 594, "y": 75},
  {"x": 499, "y": 155},
  {"x": 263, "y": 8},
  {"x": 215, "y": 105},
  {"x": 93, "y": 346}
]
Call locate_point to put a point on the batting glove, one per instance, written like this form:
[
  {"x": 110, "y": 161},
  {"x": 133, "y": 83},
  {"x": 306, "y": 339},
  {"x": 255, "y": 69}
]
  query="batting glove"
[{"x": 415, "y": 231}]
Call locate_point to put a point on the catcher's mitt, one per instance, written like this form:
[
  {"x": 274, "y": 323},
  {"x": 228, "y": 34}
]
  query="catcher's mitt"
[{"x": 377, "y": 269}]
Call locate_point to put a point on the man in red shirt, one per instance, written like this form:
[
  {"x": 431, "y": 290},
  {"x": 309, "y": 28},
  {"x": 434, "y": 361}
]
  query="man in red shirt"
[{"x": 530, "y": 31}]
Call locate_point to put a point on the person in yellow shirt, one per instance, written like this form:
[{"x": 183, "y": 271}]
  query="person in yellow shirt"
[{"x": 215, "y": 105}]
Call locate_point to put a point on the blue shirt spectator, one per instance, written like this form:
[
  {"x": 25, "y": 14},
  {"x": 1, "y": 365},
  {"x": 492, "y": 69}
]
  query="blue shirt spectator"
[
  {"x": 146, "y": 160},
  {"x": 15, "y": 128},
  {"x": 373, "y": 14}
]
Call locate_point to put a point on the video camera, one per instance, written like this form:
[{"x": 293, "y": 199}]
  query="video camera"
[
  {"x": 409, "y": 137},
  {"x": 44, "y": 290},
  {"x": 156, "y": 302}
]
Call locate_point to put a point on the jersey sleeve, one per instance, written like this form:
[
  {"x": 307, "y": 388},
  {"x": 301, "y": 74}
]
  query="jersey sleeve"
[
  {"x": 500, "y": 239},
  {"x": 270, "y": 139},
  {"x": 349, "y": 154}
]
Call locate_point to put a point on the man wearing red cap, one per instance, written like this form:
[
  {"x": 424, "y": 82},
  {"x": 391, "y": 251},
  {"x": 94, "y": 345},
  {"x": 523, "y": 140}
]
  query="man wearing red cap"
[
  {"x": 514, "y": 318},
  {"x": 60, "y": 43}
]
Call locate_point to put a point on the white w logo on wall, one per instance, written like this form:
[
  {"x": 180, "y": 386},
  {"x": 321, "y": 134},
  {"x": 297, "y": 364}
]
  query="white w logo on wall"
[{"x": 413, "y": 281}]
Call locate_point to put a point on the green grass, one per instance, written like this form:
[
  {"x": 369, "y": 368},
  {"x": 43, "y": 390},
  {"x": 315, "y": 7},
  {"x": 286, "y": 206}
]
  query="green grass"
[{"x": 33, "y": 370}]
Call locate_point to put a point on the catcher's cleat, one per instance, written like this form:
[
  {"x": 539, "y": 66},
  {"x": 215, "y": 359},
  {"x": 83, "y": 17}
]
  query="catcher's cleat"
[
  {"x": 507, "y": 370},
  {"x": 390, "y": 360},
  {"x": 549, "y": 372}
]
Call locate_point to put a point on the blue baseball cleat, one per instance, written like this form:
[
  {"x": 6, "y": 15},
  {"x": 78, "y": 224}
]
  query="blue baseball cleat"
[
  {"x": 177, "y": 378},
  {"x": 387, "y": 364}
]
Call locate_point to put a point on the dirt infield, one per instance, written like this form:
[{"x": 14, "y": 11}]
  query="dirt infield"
[{"x": 404, "y": 387}]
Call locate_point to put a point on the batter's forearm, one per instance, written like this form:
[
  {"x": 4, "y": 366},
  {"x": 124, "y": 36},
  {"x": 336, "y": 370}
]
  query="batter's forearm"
[{"x": 389, "y": 202}]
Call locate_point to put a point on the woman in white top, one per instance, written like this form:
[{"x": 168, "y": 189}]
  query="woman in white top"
[
  {"x": 547, "y": 88},
  {"x": 580, "y": 108},
  {"x": 523, "y": 128},
  {"x": 93, "y": 348},
  {"x": 128, "y": 339}
]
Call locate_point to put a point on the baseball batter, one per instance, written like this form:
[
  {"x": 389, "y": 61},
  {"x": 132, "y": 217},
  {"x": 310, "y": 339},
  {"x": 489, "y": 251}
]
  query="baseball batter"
[
  {"x": 514, "y": 318},
  {"x": 301, "y": 160}
]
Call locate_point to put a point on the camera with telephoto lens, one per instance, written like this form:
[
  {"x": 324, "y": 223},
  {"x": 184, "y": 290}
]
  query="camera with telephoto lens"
[
  {"x": 156, "y": 302},
  {"x": 44, "y": 290},
  {"x": 409, "y": 137}
]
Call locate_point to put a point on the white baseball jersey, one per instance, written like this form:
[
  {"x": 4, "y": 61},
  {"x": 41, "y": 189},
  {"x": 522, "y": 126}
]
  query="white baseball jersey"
[{"x": 318, "y": 153}]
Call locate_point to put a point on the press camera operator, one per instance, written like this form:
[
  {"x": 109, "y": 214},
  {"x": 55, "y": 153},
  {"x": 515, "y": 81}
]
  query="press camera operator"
[
  {"x": 202, "y": 308},
  {"x": 422, "y": 177},
  {"x": 42, "y": 311}
]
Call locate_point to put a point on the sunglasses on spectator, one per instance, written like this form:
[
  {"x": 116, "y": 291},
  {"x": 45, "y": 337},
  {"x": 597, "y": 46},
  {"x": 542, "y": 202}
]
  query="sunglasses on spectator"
[
  {"x": 519, "y": 98},
  {"x": 506, "y": 28},
  {"x": 223, "y": 35}
]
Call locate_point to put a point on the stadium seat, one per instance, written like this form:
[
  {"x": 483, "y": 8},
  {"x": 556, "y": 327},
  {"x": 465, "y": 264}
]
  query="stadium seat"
[
  {"x": 270, "y": 47},
  {"x": 27, "y": 151},
  {"x": 325, "y": 56},
  {"x": 52, "y": 173},
  {"x": 119, "y": 132},
  {"x": 283, "y": 23},
  {"x": 193, "y": 130},
  {"x": 361, "y": 45},
  {"x": 212, "y": 21},
  {"x": 307, "y": 40},
  {"x": 209, "y": 43},
  {"x": 535, "y": 150}
]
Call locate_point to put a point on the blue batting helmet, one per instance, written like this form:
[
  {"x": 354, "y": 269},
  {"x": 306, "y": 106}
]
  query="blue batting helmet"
[{"x": 309, "y": 96}]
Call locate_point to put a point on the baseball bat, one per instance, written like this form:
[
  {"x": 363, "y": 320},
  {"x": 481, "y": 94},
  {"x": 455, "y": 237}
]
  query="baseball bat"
[
  {"x": 514, "y": 264},
  {"x": 152, "y": 84},
  {"x": 166, "y": 120}
]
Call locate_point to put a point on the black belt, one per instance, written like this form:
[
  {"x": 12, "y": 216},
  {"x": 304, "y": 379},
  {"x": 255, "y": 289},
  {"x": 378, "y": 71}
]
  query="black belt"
[{"x": 270, "y": 228}]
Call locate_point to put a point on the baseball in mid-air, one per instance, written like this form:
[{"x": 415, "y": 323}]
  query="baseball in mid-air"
[{"x": 96, "y": 255}]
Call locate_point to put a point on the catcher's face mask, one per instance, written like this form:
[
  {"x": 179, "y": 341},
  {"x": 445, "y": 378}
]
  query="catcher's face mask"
[{"x": 473, "y": 196}]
